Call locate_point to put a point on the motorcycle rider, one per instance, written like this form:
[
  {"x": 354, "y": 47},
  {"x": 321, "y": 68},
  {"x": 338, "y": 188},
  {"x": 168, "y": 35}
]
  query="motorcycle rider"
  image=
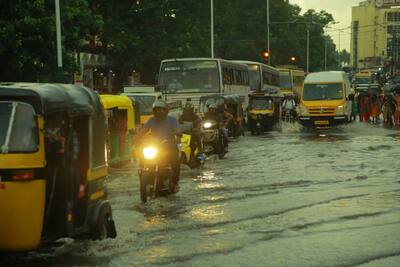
[
  {"x": 289, "y": 105},
  {"x": 189, "y": 115},
  {"x": 222, "y": 118},
  {"x": 164, "y": 127}
]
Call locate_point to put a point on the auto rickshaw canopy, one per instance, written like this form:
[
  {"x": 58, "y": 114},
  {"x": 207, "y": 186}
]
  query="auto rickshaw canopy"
[
  {"x": 121, "y": 102},
  {"x": 48, "y": 99}
]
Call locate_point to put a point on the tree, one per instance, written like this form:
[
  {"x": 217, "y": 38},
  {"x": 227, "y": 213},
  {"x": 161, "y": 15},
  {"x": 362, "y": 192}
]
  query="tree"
[{"x": 28, "y": 38}]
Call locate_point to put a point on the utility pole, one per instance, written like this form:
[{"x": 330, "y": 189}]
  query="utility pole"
[
  {"x": 269, "y": 57},
  {"x": 212, "y": 28},
  {"x": 58, "y": 30},
  {"x": 326, "y": 50},
  {"x": 308, "y": 48},
  {"x": 339, "y": 52}
]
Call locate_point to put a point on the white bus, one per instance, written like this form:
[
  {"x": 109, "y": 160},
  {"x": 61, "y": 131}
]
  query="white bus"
[
  {"x": 192, "y": 78},
  {"x": 263, "y": 78}
]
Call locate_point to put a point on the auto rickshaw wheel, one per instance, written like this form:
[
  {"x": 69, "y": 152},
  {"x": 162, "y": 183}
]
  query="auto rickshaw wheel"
[{"x": 105, "y": 228}]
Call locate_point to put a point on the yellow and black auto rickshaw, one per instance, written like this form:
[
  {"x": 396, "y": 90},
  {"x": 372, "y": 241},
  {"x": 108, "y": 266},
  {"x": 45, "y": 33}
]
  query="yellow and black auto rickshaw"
[
  {"x": 120, "y": 115},
  {"x": 231, "y": 104},
  {"x": 52, "y": 165},
  {"x": 263, "y": 111}
]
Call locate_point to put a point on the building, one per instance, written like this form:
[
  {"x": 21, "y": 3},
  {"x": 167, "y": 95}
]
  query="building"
[{"x": 375, "y": 33}]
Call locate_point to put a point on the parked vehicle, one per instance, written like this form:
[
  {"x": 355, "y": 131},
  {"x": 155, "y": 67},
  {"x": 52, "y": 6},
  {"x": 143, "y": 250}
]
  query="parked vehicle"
[{"x": 52, "y": 165}]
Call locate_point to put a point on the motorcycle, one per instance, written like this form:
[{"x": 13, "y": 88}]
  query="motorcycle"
[
  {"x": 289, "y": 115},
  {"x": 213, "y": 139},
  {"x": 155, "y": 170},
  {"x": 188, "y": 156}
]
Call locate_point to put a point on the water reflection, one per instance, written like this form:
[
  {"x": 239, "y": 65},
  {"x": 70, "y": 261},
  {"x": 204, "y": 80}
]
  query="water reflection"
[{"x": 208, "y": 213}]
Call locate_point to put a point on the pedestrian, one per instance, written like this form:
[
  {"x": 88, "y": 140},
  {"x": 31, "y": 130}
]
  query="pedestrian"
[
  {"x": 365, "y": 111},
  {"x": 396, "y": 115},
  {"x": 375, "y": 109},
  {"x": 354, "y": 108}
]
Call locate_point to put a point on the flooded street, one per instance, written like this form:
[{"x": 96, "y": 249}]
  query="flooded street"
[{"x": 286, "y": 198}]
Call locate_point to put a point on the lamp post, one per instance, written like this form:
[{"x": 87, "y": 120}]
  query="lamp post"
[
  {"x": 58, "y": 29},
  {"x": 269, "y": 58},
  {"x": 212, "y": 29},
  {"x": 308, "y": 49}
]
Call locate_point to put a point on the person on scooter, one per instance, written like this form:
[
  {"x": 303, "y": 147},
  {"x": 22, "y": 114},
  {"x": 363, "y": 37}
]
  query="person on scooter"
[
  {"x": 289, "y": 106},
  {"x": 164, "y": 127},
  {"x": 189, "y": 115}
]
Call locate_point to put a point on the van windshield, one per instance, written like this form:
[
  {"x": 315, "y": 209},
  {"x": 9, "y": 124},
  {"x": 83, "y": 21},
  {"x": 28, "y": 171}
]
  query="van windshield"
[
  {"x": 330, "y": 91},
  {"x": 18, "y": 128}
]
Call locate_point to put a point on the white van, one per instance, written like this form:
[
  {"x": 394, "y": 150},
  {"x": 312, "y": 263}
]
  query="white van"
[{"x": 324, "y": 99}]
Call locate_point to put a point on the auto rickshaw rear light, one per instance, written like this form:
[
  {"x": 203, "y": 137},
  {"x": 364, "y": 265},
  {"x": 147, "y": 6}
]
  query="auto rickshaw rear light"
[{"x": 23, "y": 175}]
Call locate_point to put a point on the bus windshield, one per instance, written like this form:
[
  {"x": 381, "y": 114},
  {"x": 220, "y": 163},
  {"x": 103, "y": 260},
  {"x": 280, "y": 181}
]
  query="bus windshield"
[
  {"x": 330, "y": 91},
  {"x": 255, "y": 78},
  {"x": 284, "y": 80},
  {"x": 261, "y": 103},
  {"x": 190, "y": 76},
  {"x": 18, "y": 129}
]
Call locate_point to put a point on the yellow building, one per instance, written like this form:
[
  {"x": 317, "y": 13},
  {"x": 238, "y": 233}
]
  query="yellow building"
[{"x": 374, "y": 29}]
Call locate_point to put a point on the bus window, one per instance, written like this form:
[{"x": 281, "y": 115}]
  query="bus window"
[{"x": 285, "y": 80}]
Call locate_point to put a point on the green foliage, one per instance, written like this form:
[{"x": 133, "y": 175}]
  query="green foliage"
[
  {"x": 28, "y": 38},
  {"x": 137, "y": 35}
]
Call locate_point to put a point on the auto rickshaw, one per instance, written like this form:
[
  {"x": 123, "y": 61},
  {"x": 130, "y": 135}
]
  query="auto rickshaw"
[
  {"x": 232, "y": 104},
  {"x": 120, "y": 115},
  {"x": 52, "y": 165},
  {"x": 263, "y": 112}
]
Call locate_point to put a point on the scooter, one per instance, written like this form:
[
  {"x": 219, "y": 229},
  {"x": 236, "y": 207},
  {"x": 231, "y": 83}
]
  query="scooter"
[{"x": 188, "y": 156}]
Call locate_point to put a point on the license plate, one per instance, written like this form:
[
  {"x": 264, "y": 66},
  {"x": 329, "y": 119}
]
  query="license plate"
[{"x": 321, "y": 122}]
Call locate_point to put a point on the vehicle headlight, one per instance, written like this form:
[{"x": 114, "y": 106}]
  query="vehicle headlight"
[
  {"x": 340, "y": 110},
  {"x": 302, "y": 110},
  {"x": 150, "y": 152},
  {"x": 207, "y": 125}
]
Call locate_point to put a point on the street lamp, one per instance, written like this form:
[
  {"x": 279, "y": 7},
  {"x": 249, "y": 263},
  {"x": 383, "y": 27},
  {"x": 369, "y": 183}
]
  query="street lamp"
[
  {"x": 293, "y": 59},
  {"x": 269, "y": 60}
]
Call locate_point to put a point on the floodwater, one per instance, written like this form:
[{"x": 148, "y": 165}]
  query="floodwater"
[{"x": 285, "y": 198}]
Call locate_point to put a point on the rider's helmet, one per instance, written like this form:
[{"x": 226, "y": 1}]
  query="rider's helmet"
[
  {"x": 212, "y": 107},
  {"x": 160, "y": 109},
  {"x": 189, "y": 107}
]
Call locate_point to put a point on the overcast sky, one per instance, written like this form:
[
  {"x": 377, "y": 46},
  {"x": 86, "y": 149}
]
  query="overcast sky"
[{"x": 341, "y": 11}]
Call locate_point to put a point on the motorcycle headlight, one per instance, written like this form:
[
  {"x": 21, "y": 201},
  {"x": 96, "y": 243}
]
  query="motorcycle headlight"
[
  {"x": 207, "y": 125},
  {"x": 150, "y": 152},
  {"x": 340, "y": 110}
]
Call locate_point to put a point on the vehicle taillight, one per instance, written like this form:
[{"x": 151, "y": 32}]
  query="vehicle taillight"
[{"x": 23, "y": 175}]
